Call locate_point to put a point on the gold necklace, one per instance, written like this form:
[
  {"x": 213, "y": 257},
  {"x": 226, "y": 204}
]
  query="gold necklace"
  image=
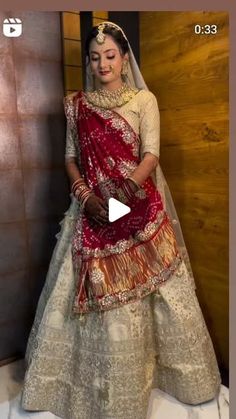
[{"x": 110, "y": 99}]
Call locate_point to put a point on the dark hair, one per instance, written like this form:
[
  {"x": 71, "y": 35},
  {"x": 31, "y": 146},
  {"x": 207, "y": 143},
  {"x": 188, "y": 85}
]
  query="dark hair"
[{"x": 116, "y": 34}]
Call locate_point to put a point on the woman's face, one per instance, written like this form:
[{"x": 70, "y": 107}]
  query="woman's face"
[{"x": 102, "y": 56}]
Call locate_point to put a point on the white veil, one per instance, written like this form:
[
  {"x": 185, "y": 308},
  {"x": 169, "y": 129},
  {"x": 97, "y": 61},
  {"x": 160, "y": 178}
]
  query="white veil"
[{"x": 134, "y": 78}]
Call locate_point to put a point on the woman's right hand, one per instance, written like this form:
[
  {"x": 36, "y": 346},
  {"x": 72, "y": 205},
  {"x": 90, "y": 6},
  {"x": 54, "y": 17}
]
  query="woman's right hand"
[{"x": 96, "y": 209}]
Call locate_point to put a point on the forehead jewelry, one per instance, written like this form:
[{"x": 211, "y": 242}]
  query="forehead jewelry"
[{"x": 101, "y": 36}]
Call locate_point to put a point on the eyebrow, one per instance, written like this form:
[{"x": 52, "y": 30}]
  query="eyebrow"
[{"x": 107, "y": 50}]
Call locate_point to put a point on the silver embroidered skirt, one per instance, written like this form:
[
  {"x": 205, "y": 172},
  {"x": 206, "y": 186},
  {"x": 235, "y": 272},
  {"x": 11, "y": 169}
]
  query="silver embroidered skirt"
[{"x": 104, "y": 365}]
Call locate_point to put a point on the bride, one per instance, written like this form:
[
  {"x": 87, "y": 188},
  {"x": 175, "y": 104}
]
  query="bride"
[{"x": 118, "y": 314}]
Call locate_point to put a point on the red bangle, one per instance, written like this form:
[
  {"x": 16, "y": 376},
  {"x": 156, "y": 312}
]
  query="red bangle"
[
  {"x": 85, "y": 199},
  {"x": 77, "y": 183},
  {"x": 80, "y": 193}
]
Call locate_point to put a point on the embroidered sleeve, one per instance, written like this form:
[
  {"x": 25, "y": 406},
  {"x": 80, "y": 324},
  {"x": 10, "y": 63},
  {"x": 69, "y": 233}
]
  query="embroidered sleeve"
[
  {"x": 71, "y": 132},
  {"x": 150, "y": 126},
  {"x": 70, "y": 143}
]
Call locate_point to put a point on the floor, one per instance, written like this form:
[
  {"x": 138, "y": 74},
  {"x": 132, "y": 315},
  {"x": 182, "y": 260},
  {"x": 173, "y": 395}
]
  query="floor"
[{"x": 161, "y": 405}]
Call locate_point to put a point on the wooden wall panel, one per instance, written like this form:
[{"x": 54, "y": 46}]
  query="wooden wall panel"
[
  {"x": 71, "y": 39},
  {"x": 188, "y": 73},
  {"x": 99, "y": 17}
]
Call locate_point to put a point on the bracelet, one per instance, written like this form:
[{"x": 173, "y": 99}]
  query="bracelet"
[
  {"x": 85, "y": 200},
  {"x": 128, "y": 191},
  {"x": 125, "y": 192},
  {"x": 134, "y": 181},
  {"x": 121, "y": 195},
  {"x": 80, "y": 189},
  {"x": 76, "y": 186},
  {"x": 80, "y": 194},
  {"x": 77, "y": 183}
]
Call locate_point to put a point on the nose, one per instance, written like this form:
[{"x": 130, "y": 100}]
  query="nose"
[{"x": 102, "y": 63}]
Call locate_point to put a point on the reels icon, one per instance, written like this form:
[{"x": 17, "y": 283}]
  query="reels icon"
[{"x": 12, "y": 27}]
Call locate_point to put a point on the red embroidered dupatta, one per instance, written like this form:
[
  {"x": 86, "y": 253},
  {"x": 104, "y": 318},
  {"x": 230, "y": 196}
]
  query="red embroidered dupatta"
[{"x": 124, "y": 260}]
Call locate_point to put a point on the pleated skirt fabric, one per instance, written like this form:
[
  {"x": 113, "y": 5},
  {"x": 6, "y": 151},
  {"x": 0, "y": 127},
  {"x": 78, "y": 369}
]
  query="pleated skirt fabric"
[{"x": 103, "y": 365}]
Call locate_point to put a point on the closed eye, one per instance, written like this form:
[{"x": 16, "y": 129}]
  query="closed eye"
[{"x": 96, "y": 59}]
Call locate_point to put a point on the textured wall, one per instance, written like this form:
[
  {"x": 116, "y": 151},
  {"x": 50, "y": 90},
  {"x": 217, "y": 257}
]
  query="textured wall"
[
  {"x": 189, "y": 75},
  {"x": 33, "y": 184}
]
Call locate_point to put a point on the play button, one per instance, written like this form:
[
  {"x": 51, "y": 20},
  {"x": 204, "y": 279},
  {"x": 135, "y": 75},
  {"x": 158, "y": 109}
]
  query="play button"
[
  {"x": 116, "y": 209},
  {"x": 12, "y": 29}
]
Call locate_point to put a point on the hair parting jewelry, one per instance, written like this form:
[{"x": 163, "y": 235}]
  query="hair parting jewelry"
[{"x": 100, "y": 38}]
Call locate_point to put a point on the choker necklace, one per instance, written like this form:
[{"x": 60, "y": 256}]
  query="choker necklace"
[{"x": 109, "y": 99}]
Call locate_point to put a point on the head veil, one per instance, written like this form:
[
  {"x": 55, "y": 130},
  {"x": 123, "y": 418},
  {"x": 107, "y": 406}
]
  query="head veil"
[{"x": 134, "y": 78}]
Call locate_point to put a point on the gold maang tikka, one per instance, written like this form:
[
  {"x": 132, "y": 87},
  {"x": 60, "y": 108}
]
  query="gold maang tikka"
[{"x": 100, "y": 38}]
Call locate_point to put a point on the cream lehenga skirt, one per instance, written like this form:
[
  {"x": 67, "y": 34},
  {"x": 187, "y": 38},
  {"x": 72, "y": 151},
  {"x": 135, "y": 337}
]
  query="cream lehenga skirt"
[{"x": 105, "y": 365}]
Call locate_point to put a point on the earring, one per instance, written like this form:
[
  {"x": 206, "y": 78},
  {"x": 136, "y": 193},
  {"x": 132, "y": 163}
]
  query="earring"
[
  {"x": 90, "y": 71},
  {"x": 124, "y": 70}
]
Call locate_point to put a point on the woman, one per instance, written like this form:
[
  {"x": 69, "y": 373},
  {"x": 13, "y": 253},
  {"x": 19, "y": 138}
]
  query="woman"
[{"x": 118, "y": 314}]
